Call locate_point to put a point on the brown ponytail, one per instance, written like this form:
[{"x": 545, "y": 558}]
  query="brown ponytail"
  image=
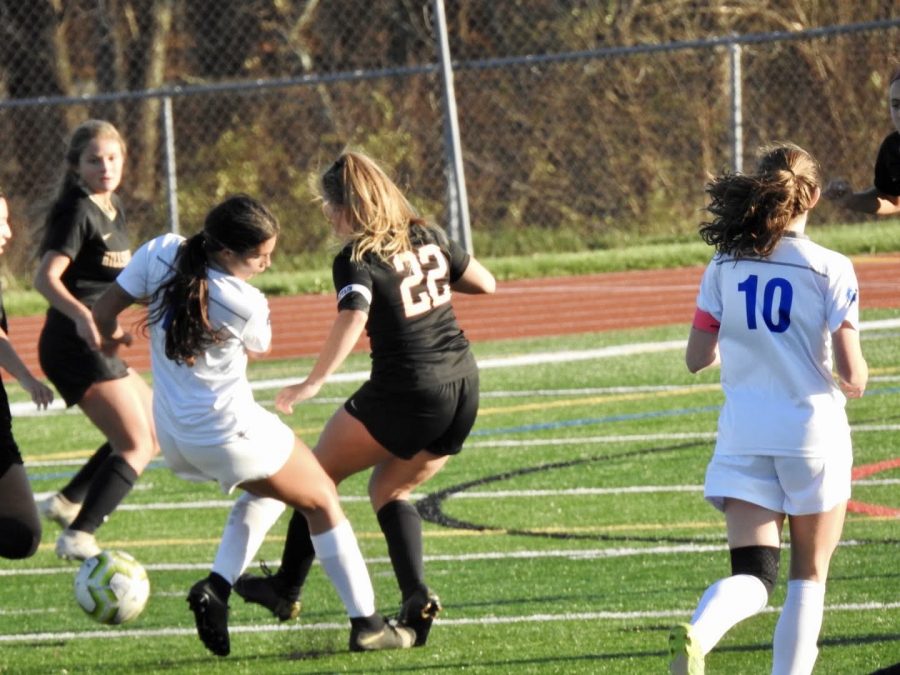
[{"x": 751, "y": 212}]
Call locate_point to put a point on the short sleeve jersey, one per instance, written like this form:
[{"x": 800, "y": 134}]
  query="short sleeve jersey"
[
  {"x": 3, "y": 322},
  {"x": 9, "y": 451},
  {"x": 887, "y": 166},
  {"x": 412, "y": 328},
  {"x": 98, "y": 247},
  {"x": 203, "y": 403},
  {"x": 777, "y": 315}
]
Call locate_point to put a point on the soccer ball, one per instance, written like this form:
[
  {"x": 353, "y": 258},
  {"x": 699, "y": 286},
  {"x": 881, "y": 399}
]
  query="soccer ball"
[{"x": 112, "y": 587}]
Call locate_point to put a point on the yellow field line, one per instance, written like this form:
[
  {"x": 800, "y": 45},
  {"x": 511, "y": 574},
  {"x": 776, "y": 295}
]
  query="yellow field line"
[
  {"x": 306, "y": 432},
  {"x": 430, "y": 534},
  {"x": 592, "y": 400},
  {"x": 447, "y": 533}
]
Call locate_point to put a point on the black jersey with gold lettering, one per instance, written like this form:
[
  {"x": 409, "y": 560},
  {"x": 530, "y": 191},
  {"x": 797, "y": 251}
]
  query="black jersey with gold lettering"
[
  {"x": 97, "y": 245},
  {"x": 9, "y": 451},
  {"x": 415, "y": 339},
  {"x": 887, "y": 166}
]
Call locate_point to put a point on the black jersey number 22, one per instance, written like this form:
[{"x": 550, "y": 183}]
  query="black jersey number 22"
[{"x": 427, "y": 282}]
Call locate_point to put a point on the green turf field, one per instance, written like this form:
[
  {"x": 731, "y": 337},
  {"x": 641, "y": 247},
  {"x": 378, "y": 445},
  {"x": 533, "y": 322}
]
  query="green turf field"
[{"x": 572, "y": 532}]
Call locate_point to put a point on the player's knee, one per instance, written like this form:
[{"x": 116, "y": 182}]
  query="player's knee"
[
  {"x": 758, "y": 561},
  {"x": 18, "y": 540}
]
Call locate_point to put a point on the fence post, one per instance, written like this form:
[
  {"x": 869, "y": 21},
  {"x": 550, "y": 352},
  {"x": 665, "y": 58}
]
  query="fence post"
[
  {"x": 737, "y": 121},
  {"x": 457, "y": 199},
  {"x": 171, "y": 171}
]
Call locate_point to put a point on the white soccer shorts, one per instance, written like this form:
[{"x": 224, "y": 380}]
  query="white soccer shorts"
[
  {"x": 793, "y": 485},
  {"x": 258, "y": 451}
]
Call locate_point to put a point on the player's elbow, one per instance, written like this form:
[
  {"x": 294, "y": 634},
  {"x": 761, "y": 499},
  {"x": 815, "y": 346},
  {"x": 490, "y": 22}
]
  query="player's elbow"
[
  {"x": 694, "y": 364},
  {"x": 888, "y": 205},
  {"x": 855, "y": 374},
  {"x": 702, "y": 350}
]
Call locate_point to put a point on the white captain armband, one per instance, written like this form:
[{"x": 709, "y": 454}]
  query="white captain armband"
[{"x": 355, "y": 288}]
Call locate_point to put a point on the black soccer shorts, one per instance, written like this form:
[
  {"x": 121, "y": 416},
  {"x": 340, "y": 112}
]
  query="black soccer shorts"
[
  {"x": 69, "y": 363},
  {"x": 437, "y": 419}
]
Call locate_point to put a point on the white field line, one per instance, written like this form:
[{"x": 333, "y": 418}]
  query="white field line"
[
  {"x": 27, "y": 409},
  {"x": 470, "y": 494},
  {"x": 574, "y": 554},
  {"x": 445, "y": 623},
  {"x": 516, "y": 443},
  {"x": 566, "y": 554}
]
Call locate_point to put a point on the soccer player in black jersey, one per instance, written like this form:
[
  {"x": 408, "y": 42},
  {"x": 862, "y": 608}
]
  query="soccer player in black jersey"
[
  {"x": 84, "y": 247},
  {"x": 20, "y": 525},
  {"x": 883, "y": 198},
  {"x": 394, "y": 278}
]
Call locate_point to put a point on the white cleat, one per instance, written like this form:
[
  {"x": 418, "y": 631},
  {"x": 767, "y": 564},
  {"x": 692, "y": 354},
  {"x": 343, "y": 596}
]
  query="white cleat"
[
  {"x": 59, "y": 509},
  {"x": 76, "y": 545}
]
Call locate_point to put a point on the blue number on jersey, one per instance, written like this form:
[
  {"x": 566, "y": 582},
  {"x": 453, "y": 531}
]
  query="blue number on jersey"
[{"x": 782, "y": 319}]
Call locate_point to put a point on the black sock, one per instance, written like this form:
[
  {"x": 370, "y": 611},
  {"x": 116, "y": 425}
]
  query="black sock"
[
  {"x": 402, "y": 527},
  {"x": 77, "y": 488},
  {"x": 368, "y": 623},
  {"x": 220, "y": 585},
  {"x": 297, "y": 557},
  {"x": 111, "y": 484}
]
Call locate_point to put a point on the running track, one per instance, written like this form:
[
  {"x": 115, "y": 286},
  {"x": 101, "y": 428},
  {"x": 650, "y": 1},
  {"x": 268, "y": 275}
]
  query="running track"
[{"x": 519, "y": 309}]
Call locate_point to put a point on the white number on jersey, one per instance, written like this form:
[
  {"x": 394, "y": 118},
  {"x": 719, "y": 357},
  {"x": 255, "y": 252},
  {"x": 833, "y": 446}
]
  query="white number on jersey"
[{"x": 419, "y": 297}]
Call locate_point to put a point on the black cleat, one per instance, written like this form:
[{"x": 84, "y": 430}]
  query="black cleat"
[
  {"x": 418, "y": 611},
  {"x": 211, "y": 617},
  {"x": 269, "y": 592},
  {"x": 389, "y": 635}
]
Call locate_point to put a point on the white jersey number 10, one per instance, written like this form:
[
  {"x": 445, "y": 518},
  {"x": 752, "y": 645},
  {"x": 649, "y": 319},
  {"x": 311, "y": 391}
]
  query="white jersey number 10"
[{"x": 777, "y": 319}]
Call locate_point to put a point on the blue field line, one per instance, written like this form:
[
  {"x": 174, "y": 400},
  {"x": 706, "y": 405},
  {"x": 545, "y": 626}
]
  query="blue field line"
[
  {"x": 545, "y": 426},
  {"x": 594, "y": 420},
  {"x": 33, "y": 476},
  {"x": 880, "y": 391}
]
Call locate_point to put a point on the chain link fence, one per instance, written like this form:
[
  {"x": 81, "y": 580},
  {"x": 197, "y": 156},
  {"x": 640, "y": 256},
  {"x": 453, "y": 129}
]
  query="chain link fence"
[{"x": 580, "y": 126}]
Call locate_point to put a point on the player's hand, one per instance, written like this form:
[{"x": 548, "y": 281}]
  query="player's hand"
[
  {"x": 837, "y": 190},
  {"x": 41, "y": 394},
  {"x": 851, "y": 390},
  {"x": 287, "y": 397},
  {"x": 110, "y": 346},
  {"x": 87, "y": 331}
]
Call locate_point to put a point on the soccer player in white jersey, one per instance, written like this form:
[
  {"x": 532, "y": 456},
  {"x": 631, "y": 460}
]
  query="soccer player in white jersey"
[
  {"x": 779, "y": 313},
  {"x": 204, "y": 320}
]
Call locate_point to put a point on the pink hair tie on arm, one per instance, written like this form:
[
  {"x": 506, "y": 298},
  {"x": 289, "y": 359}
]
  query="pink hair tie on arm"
[{"x": 706, "y": 322}]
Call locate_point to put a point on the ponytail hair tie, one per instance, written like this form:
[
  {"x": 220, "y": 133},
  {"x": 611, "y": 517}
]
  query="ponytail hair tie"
[{"x": 210, "y": 242}]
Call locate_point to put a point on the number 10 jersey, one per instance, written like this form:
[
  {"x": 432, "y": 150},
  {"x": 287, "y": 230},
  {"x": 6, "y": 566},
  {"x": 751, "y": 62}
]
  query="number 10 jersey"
[{"x": 777, "y": 315}]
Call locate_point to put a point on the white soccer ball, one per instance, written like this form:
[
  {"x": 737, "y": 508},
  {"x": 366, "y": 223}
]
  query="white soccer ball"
[{"x": 112, "y": 587}]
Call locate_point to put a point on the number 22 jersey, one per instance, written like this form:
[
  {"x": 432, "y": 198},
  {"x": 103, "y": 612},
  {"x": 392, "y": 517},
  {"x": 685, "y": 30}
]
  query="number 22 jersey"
[
  {"x": 777, "y": 315},
  {"x": 415, "y": 339}
]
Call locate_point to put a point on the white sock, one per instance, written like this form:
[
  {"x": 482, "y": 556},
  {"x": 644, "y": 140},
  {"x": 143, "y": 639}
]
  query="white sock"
[
  {"x": 725, "y": 604},
  {"x": 794, "y": 650},
  {"x": 338, "y": 553},
  {"x": 248, "y": 523}
]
